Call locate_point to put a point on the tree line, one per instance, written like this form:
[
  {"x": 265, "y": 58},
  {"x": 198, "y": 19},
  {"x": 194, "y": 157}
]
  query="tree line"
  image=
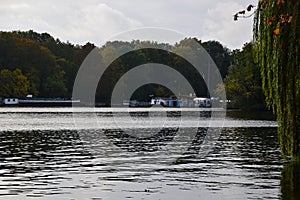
[
  {"x": 49, "y": 65},
  {"x": 36, "y": 63}
]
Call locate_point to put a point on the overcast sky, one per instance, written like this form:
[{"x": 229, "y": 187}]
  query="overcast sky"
[{"x": 98, "y": 20}]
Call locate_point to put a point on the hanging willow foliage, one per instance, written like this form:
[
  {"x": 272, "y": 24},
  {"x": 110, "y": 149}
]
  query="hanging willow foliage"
[{"x": 277, "y": 39}]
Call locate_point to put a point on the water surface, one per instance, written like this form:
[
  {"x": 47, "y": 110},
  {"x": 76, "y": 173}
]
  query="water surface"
[{"x": 121, "y": 154}]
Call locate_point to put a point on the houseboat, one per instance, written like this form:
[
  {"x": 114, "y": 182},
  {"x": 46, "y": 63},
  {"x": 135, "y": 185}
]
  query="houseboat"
[
  {"x": 38, "y": 102},
  {"x": 166, "y": 102},
  {"x": 202, "y": 102}
]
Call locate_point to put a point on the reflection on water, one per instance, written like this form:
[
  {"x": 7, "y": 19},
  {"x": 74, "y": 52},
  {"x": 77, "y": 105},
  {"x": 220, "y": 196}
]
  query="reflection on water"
[
  {"x": 25, "y": 119},
  {"x": 131, "y": 143},
  {"x": 53, "y": 161},
  {"x": 245, "y": 165},
  {"x": 290, "y": 181}
]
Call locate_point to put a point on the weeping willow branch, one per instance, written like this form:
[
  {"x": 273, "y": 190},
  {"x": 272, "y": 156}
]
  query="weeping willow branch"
[{"x": 277, "y": 39}]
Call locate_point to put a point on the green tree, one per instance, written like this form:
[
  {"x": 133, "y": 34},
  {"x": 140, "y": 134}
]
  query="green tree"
[
  {"x": 13, "y": 83},
  {"x": 243, "y": 83},
  {"x": 29, "y": 51},
  {"x": 69, "y": 73},
  {"x": 277, "y": 34},
  {"x": 160, "y": 92},
  {"x": 55, "y": 86},
  {"x": 221, "y": 55}
]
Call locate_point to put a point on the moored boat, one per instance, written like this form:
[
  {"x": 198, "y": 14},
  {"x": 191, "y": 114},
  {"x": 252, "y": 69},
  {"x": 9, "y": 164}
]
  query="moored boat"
[{"x": 39, "y": 102}]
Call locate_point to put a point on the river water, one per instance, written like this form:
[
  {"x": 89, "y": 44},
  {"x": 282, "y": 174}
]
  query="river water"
[{"x": 115, "y": 153}]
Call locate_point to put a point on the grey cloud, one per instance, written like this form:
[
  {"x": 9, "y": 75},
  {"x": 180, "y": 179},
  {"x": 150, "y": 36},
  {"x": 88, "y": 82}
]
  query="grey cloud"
[{"x": 97, "y": 20}]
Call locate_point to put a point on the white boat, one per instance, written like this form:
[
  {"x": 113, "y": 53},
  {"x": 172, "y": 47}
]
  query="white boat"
[
  {"x": 36, "y": 102},
  {"x": 202, "y": 102},
  {"x": 10, "y": 101}
]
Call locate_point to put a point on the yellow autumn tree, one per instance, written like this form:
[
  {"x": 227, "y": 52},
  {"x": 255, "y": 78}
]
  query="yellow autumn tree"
[{"x": 13, "y": 83}]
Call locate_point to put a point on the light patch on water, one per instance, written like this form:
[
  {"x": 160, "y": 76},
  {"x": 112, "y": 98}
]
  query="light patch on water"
[{"x": 108, "y": 118}]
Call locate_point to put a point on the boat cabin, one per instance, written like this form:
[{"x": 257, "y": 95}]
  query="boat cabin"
[
  {"x": 166, "y": 102},
  {"x": 202, "y": 102},
  {"x": 11, "y": 101}
]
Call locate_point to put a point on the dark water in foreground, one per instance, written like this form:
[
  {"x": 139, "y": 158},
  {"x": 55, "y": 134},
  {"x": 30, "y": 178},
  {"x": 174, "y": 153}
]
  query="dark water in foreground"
[{"x": 44, "y": 156}]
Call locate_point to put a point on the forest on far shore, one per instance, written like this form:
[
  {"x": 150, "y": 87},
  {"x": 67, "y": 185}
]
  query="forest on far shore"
[{"x": 38, "y": 64}]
